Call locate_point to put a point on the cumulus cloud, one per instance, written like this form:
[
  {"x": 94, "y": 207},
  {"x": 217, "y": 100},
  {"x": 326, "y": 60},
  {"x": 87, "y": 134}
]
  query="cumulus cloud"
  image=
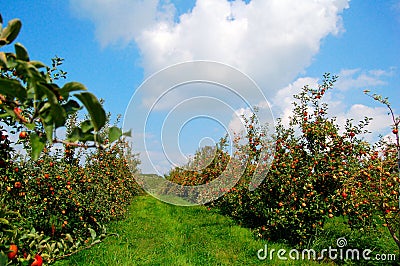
[
  {"x": 359, "y": 111},
  {"x": 357, "y": 78},
  {"x": 349, "y": 80},
  {"x": 272, "y": 41},
  {"x": 236, "y": 125},
  {"x": 120, "y": 21},
  {"x": 282, "y": 101}
]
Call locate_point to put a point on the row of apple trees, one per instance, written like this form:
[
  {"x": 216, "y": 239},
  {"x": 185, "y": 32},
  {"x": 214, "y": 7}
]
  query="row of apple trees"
[
  {"x": 56, "y": 200},
  {"x": 318, "y": 173}
]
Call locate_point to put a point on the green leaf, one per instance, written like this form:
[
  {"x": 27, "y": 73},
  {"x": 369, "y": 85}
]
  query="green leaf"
[
  {"x": 52, "y": 116},
  {"x": 59, "y": 115},
  {"x": 4, "y": 221},
  {"x": 33, "y": 243},
  {"x": 96, "y": 111},
  {"x": 87, "y": 137},
  {"x": 9, "y": 112},
  {"x": 75, "y": 134},
  {"x": 3, "y": 259},
  {"x": 30, "y": 126},
  {"x": 78, "y": 135},
  {"x": 3, "y": 60},
  {"x": 10, "y": 32},
  {"x": 21, "y": 52},
  {"x": 6, "y": 114},
  {"x": 87, "y": 126},
  {"x": 49, "y": 132},
  {"x": 37, "y": 144},
  {"x": 127, "y": 133},
  {"x": 12, "y": 88},
  {"x": 114, "y": 134},
  {"x": 44, "y": 241},
  {"x": 71, "y": 107},
  {"x": 92, "y": 233},
  {"x": 56, "y": 114},
  {"x": 52, "y": 91},
  {"x": 37, "y": 64},
  {"x": 71, "y": 86},
  {"x": 46, "y": 106},
  {"x": 69, "y": 238}
]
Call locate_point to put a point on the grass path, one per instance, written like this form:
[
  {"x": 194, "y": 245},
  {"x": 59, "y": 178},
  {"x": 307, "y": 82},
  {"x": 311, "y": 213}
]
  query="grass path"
[{"x": 156, "y": 233}]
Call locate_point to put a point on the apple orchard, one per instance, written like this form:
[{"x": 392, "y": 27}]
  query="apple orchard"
[{"x": 58, "y": 198}]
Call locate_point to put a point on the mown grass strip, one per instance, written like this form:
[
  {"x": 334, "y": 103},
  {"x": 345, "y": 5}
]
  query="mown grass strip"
[{"x": 156, "y": 233}]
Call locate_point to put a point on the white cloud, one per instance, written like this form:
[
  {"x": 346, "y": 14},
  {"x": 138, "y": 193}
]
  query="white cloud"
[
  {"x": 121, "y": 21},
  {"x": 236, "y": 125},
  {"x": 378, "y": 126},
  {"x": 356, "y": 78},
  {"x": 348, "y": 79},
  {"x": 272, "y": 41},
  {"x": 350, "y": 83},
  {"x": 282, "y": 101},
  {"x": 380, "y": 115}
]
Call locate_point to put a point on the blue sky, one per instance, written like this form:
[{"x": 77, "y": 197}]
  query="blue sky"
[{"x": 113, "y": 46}]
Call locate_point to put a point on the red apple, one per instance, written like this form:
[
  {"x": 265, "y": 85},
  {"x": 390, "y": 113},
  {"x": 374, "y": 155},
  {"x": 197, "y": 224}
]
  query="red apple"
[
  {"x": 17, "y": 184},
  {"x": 38, "y": 261},
  {"x": 23, "y": 135},
  {"x": 13, "y": 252},
  {"x": 17, "y": 110}
]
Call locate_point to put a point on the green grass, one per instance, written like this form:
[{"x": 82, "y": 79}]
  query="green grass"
[
  {"x": 156, "y": 233},
  {"x": 378, "y": 240}
]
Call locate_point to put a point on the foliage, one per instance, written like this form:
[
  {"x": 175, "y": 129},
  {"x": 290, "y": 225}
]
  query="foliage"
[
  {"x": 56, "y": 202},
  {"x": 318, "y": 172},
  {"x": 374, "y": 190},
  {"x": 61, "y": 201},
  {"x": 30, "y": 98},
  {"x": 207, "y": 164},
  {"x": 299, "y": 190},
  {"x": 53, "y": 202},
  {"x": 305, "y": 185}
]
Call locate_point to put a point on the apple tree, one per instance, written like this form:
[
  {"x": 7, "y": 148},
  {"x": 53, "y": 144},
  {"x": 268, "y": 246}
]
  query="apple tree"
[{"x": 33, "y": 106}]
